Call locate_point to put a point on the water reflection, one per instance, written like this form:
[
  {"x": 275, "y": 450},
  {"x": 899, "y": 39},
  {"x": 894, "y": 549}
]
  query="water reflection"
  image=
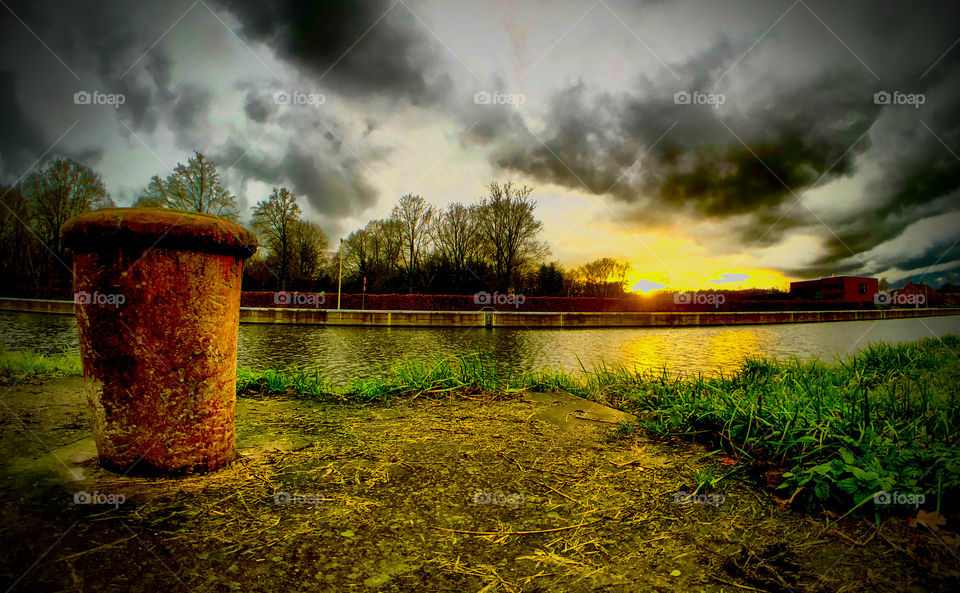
[
  {"x": 733, "y": 345},
  {"x": 645, "y": 349},
  {"x": 345, "y": 353}
]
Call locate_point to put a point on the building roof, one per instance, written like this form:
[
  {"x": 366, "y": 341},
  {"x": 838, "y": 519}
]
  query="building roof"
[{"x": 835, "y": 278}]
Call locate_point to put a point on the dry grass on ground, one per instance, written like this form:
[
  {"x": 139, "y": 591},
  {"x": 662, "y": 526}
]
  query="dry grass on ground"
[{"x": 529, "y": 493}]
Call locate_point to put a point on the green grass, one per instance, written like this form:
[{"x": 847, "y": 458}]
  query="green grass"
[
  {"x": 886, "y": 420},
  {"x": 456, "y": 375},
  {"x": 25, "y": 366},
  {"x": 826, "y": 436},
  {"x": 309, "y": 385}
]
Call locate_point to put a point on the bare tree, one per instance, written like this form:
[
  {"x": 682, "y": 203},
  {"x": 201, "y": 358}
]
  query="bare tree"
[
  {"x": 308, "y": 247},
  {"x": 357, "y": 253},
  {"x": 19, "y": 247},
  {"x": 456, "y": 237},
  {"x": 387, "y": 244},
  {"x": 194, "y": 187},
  {"x": 605, "y": 276},
  {"x": 373, "y": 252},
  {"x": 63, "y": 189},
  {"x": 274, "y": 219},
  {"x": 415, "y": 218},
  {"x": 509, "y": 230}
]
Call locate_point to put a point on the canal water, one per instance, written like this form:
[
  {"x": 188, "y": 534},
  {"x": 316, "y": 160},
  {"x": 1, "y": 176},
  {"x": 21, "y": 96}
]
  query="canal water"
[{"x": 345, "y": 353}]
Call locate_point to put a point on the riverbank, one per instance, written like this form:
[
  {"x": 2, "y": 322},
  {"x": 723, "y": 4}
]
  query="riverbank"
[
  {"x": 530, "y": 320},
  {"x": 824, "y": 437},
  {"x": 456, "y": 476}
]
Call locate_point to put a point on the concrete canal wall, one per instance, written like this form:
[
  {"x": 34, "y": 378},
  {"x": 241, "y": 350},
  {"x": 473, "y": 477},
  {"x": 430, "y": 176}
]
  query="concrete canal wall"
[
  {"x": 38, "y": 306},
  {"x": 521, "y": 319}
]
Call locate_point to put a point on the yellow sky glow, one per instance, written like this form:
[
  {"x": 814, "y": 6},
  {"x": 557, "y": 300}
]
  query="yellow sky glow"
[
  {"x": 667, "y": 255},
  {"x": 679, "y": 263}
]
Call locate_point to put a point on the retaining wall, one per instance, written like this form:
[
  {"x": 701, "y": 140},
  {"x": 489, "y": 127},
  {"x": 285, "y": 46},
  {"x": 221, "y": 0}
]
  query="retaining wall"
[{"x": 519, "y": 319}]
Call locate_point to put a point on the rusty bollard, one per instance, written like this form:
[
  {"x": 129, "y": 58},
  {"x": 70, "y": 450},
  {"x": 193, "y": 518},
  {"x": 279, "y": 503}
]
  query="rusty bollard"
[{"x": 157, "y": 297}]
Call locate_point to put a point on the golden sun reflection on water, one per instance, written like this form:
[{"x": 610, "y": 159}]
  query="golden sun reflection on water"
[
  {"x": 708, "y": 351},
  {"x": 731, "y": 346}
]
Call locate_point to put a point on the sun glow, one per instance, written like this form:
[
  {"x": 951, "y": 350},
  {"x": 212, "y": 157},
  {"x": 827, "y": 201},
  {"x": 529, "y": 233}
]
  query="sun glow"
[
  {"x": 649, "y": 282},
  {"x": 678, "y": 263},
  {"x": 670, "y": 258}
]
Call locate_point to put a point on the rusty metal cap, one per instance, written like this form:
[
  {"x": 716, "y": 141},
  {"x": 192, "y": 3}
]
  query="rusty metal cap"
[{"x": 144, "y": 228}]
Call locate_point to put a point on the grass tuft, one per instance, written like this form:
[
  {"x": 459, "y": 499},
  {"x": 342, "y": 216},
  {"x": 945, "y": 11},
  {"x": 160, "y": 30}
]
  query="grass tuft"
[{"x": 26, "y": 366}]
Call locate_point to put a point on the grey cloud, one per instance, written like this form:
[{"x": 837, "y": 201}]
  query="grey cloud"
[
  {"x": 189, "y": 117},
  {"x": 698, "y": 166},
  {"x": 787, "y": 134},
  {"x": 333, "y": 186},
  {"x": 362, "y": 48},
  {"x": 23, "y": 139}
]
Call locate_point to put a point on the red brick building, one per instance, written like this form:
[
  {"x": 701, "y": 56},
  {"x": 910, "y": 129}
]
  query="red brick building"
[
  {"x": 847, "y": 289},
  {"x": 925, "y": 295}
]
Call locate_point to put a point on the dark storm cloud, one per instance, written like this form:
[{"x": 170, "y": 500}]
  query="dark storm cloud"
[
  {"x": 115, "y": 53},
  {"x": 335, "y": 189},
  {"x": 112, "y": 50},
  {"x": 921, "y": 174},
  {"x": 775, "y": 137},
  {"x": 22, "y": 140},
  {"x": 82, "y": 48},
  {"x": 789, "y": 141},
  {"x": 789, "y": 121},
  {"x": 358, "y": 47}
]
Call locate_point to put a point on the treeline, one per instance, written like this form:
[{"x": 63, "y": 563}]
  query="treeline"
[
  {"x": 491, "y": 245},
  {"x": 33, "y": 261}
]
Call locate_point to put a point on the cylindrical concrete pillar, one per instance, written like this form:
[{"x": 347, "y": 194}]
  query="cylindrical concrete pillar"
[{"x": 157, "y": 297}]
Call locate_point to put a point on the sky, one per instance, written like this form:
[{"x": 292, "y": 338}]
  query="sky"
[{"x": 711, "y": 144}]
